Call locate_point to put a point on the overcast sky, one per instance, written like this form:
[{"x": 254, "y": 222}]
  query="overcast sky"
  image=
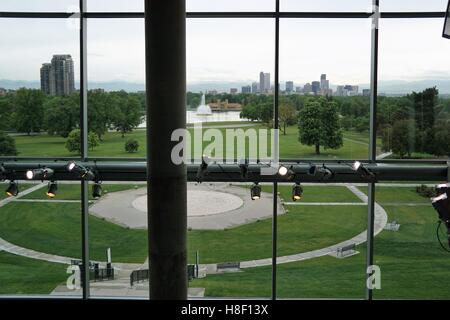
[{"x": 234, "y": 49}]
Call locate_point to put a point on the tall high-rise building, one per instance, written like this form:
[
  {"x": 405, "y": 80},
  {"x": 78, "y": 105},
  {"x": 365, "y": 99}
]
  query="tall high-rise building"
[
  {"x": 261, "y": 82},
  {"x": 307, "y": 88},
  {"x": 266, "y": 82},
  {"x": 255, "y": 87},
  {"x": 315, "y": 87},
  {"x": 47, "y": 79},
  {"x": 58, "y": 77},
  {"x": 289, "y": 86},
  {"x": 246, "y": 89},
  {"x": 324, "y": 83},
  {"x": 233, "y": 91},
  {"x": 62, "y": 67}
]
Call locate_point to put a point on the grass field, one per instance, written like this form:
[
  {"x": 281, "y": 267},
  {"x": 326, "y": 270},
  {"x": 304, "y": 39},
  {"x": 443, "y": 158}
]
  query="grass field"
[
  {"x": 355, "y": 145},
  {"x": 4, "y": 186},
  {"x": 389, "y": 195},
  {"x": 413, "y": 266},
  {"x": 315, "y": 193},
  {"x": 19, "y": 275}
]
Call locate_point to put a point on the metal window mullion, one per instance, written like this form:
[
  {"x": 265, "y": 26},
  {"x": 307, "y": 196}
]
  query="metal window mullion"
[
  {"x": 84, "y": 151},
  {"x": 275, "y": 126},
  {"x": 372, "y": 142}
]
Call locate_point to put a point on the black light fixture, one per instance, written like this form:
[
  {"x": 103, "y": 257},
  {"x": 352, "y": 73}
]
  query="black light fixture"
[
  {"x": 97, "y": 190},
  {"x": 446, "y": 31},
  {"x": 255, "y": 191},
  {"x": 83, "y": 172},
  {"x": 39, "y": 174},
  {"x": 363, "y": 171},
  {"x": 202, "y": 169},
  {"x": 323, "y": 173},
  {"x": 243, "y": 166},
  {"x": 297, "y": 192},
  {"x": 443, "y": 188},
  {"x": 52, "y": 188},
  {"x": 285, "y": 171},
  {"x": 13, "y": 189}
]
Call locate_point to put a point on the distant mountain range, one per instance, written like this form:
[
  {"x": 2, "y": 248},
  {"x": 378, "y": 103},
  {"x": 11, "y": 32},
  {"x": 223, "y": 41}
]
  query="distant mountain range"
[{"x": 394, "y": 87}]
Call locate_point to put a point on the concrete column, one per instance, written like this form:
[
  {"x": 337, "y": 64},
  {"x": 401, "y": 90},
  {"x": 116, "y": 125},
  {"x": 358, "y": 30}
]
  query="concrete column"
[{"x": 165, "y": 40}]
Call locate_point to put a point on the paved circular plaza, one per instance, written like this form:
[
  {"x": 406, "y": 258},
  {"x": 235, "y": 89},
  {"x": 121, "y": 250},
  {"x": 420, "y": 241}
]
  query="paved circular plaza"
[{"x": 212, "y": 206}]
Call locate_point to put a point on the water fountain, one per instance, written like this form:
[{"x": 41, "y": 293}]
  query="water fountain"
[{"x": 203, "y": 109}]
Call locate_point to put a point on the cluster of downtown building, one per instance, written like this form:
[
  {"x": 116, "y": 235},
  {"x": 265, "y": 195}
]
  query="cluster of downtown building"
[
  {"x": 321, "y": 87},
  {"x": 58, "y": 76}
]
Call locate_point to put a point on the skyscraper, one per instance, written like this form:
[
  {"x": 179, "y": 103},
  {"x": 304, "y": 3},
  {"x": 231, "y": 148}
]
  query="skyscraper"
[
  {"x": 58, "y": 77},
  {"x": 266, "y": 82},
  {"x": 289, "y": 86},
  {"x": 47, "y": 79},
  {"x": 324, "y": 83},
  {"x": 261, "y": 82},
  {"x": 62, "y": 67},
  {"x": 315, "y": 87}
]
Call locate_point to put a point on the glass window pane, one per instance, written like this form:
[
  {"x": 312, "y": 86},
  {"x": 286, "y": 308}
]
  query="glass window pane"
[
  {"x": 413, "y": 5},
  {"x": 229, "y": 5},
  {"x": 317, "y": 60},
  {"x": 326, "y": 5},
  {"x": 40, "y": 6},
  {"x": 115, "y": 6},
  {"x": 414, "y": 88}
]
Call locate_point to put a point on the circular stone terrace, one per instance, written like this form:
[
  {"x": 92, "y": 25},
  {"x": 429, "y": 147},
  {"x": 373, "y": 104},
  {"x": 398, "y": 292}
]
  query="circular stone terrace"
[{"x": 209, "y": 206}]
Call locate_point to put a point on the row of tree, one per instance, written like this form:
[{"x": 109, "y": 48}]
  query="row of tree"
[{"x": 30, "y": 111}]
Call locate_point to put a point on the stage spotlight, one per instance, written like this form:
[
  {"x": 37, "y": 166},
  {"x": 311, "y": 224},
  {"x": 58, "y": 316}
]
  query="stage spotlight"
[
  {"x": 97, "y": 190},
  {"x": 52, "y": 188},
  {"x": 243, "y": 166},
  {"x": 84, "y": 173},
  {"x": 297, "y": 192},
  {"x": 363, "y": 171},
  {"x": 323, "y": 173},
  {"x": 203, "y": 169},
  {"x": 284, "y": 171},
  {"x": 13, "y": 189},
  {"x": 255, "y": 191},
  {"x": 39, "y": 174}
]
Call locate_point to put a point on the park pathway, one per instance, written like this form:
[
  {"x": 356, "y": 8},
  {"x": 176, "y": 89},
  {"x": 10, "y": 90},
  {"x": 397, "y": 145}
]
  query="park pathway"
[{"x": 380, "y": 222}]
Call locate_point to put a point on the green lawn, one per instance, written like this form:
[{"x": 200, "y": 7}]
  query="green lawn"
[
  {"x": 413, "y": 266},
  {"x": 19, "y": 275},
  {"x": 73, "y": 191},
  {"x": 389, "y": 195},
  {"x": 302, "y": 229},
  {"x": 355, "y": 145},
  {"x": 56, "y": 228},
  {"x": 315, "y": 193}
]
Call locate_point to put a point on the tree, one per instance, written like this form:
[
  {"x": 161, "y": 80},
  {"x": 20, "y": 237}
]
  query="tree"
[
  {"x": 424, "y": 104},
  {"x": 101, "y": 110},
  {"x": 6, "y": 112},
  {"x": 128, "y": 113},
  {"x": 73, "y": 143},
  {"x": 403, "y": 137},
  {"x": 132, "y": 145},
  {"x": 7, "y": 145},
  {"x": 287, "y": 115},
  {"x": 62, "y": 115},
  {"x": 442, "y": 138},
  {"x": 29, "y": 110},
  {"x": 319, "y": 125}
]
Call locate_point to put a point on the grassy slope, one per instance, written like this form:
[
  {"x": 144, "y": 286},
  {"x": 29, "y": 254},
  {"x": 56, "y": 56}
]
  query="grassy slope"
[
  {"x": 19, "y": 275},
  {"x": 413, "y": 266}
]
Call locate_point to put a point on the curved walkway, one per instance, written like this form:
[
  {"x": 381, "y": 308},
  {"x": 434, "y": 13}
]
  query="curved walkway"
[{"x": 380, "y": 222}]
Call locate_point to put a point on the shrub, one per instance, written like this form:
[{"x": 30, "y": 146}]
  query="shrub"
[
  {"x": 7, "y": 145},
  {"x": 132, "y": 145},
  {"x": 73, "y": 143},
  {"x": 425, "y": 191}
]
